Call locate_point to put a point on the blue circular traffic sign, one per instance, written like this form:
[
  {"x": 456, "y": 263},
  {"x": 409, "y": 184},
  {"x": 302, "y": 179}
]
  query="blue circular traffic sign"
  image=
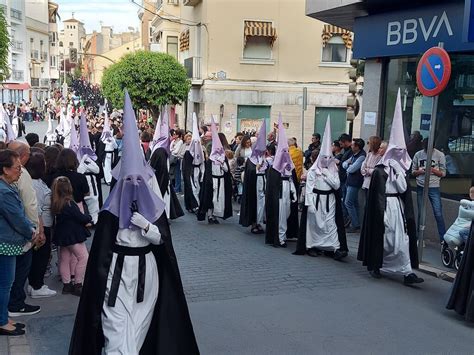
[{"x": 433, "y": 72}]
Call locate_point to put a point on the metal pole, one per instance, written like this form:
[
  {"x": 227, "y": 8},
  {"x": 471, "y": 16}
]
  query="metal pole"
[
  {"x": 426, "y": 185},
  {"x": 303, "y": 108}
]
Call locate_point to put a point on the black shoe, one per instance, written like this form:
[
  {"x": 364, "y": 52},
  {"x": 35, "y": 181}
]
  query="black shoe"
[
  {"x": 28, "y": 310},
  {"x": 283, "y": 245},
  {"x": 412, "y": 279},
  {"x": 77, "y": 290},
  {"x": 19, "y": 325},
  {"x": 339, "y": 254},
  {"x": 375, "y": 274},
  {"x": 210, "y": 220},
  {"x": 216, "y": 221},
  {"x": 313, "y": 252},
  {"x": 68, "y": 289},
  {"x": 12, "y": 333}
]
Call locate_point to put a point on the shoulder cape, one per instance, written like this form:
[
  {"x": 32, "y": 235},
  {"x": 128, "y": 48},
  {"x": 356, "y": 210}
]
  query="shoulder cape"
[
  {"x": 190, "y": 202},
  {"x": 207, "y": 190},
  {"x": 171, "y": 330},
  {"x": 248, "y": 204},
  {"x": 462, "y": 294},
  {"x": 373, "y": 227},
  {"x": 159, "y": 162}
]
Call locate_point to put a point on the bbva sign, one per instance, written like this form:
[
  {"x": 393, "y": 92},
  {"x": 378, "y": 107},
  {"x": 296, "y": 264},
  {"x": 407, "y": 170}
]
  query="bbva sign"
[{"x": 410, "y": 30}]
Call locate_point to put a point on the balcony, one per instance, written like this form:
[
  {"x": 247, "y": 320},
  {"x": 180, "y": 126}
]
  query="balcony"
[
  {"x": 44, "y": 56},
  {"x": 193, "y": 69},
  {"x": 34, "y": 54},
  {"x": 17, "y": 46},
  {"x": 16, "y": 14},
  {"x": 34, "y": 81},
  {"x": 18, "y": 75},
  {"x": 191, "y": 2}
]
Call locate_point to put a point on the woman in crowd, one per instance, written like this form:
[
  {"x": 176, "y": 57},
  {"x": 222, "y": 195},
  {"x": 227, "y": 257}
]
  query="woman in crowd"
[
  {"x": 177, "y": 152},
  {"x": 50, "y": 156},
  {"x": 70, "y": 233},
  {"x": 371, "y": 161},
  {"x": 15, "y": 235},
  {"x": 36, "y": 168},
  {"x": 244, "y": 150}
]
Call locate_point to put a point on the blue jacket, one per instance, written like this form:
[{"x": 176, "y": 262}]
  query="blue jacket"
[{"x": 15, "y": 228}]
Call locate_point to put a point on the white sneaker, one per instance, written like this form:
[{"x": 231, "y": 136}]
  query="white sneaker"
[{"x": 43, "y": 292}]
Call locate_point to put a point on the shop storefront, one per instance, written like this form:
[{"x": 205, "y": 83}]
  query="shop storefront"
[{"x": 391, "y": 39}]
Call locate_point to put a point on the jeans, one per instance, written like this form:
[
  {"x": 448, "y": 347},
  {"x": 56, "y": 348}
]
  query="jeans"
[
  {"x": 7, "y": 275},
  {"x": 17, "y": 293},
  {"x": 177, "y": 176},
  {"x": 352, "y": 204},
  {"x": 40, "y": 262},
  {"x": 435, "y": 199}
]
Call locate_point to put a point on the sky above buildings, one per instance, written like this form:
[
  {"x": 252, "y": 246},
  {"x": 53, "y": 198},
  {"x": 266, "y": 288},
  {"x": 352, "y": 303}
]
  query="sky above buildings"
[{"x": 120, "y": 14}]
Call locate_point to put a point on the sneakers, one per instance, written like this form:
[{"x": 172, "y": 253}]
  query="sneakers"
[
  {"x": 43, "y": 292},
  {"x": 68, "y": 288},
  {"x": 28, "y": 310},
  {"x": 412, "y": 279}
]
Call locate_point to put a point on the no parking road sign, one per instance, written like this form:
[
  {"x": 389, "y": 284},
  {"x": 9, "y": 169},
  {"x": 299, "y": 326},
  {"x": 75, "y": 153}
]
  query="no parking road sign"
[{"x": 433, "y": 72}]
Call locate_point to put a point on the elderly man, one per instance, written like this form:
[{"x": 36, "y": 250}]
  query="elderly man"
[{"x": 17, "y": 306}]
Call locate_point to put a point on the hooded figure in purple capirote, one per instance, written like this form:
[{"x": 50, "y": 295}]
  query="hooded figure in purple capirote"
[
  {"x": 252, "y": 206},
  {"x": 281, "y": 194},
  {"x": 388, "y": 240},
  {"x": 132, "y": 299},
  {"x": 216, "y": 192},
  {"x": 322, "y": 223}
]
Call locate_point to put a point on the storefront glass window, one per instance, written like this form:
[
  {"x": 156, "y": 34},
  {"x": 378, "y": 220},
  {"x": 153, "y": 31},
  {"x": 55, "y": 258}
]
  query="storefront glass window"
[{"x": 455, "y": 123}]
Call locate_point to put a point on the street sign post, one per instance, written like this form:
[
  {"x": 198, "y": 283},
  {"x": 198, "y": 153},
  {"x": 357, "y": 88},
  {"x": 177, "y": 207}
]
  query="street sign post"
[{"x": 432, "y": 77}]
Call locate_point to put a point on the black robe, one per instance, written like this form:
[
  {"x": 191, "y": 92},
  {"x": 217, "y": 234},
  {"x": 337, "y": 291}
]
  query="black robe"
[
  {"x": 207, "y": 192},
  {"x": 341, "y": 230},
  {"x": 190, "y": 202},
  {"x": 159, "y": 162},
  {"x": 272, "y": 208},
  {"x": 248, "y": 204},
  {"x": 171, "y": 330},
  {"x": 373, "y": 227},
  {"x": 462, "y": 293}
]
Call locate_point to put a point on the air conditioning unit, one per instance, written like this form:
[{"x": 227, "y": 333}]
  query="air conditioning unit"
[{"x": 191, "y": 2}]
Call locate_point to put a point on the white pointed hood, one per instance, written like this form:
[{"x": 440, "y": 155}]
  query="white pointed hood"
[{"x": 325, "y": 158}]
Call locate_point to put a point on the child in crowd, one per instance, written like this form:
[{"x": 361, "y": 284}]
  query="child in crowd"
[{"x": 70, "y": 233}]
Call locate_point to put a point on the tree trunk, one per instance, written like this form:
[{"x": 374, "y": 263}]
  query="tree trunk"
[{"x": 155, "y": 113}]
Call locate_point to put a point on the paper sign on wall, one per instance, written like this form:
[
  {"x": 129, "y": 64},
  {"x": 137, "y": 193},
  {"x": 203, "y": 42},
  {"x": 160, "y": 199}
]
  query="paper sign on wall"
[{"x": 370, "y": 118}]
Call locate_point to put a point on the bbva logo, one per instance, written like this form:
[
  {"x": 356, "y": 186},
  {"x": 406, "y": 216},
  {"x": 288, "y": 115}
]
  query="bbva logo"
[{"x": 408, "y": 32}]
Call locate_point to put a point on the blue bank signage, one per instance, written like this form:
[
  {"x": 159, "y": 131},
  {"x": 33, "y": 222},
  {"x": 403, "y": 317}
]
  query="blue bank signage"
[
  {"x": 411, "y": 32},
  {"x": 468, "y": 34}
]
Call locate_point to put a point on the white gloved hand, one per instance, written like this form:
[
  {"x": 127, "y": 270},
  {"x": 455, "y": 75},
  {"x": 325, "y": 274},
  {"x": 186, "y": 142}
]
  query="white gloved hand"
[{"x": 140, "y": 221}]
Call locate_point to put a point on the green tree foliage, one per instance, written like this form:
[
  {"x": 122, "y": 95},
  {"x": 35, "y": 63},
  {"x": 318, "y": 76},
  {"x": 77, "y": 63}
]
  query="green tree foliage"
[
  {"x": 4, "y": 47},
  {"x": 152, "y": 80}
]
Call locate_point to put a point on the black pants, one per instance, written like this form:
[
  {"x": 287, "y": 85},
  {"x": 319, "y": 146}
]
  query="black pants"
[
  {"x": 17, "y": 292},
  {"x": 40, "y": 262}
]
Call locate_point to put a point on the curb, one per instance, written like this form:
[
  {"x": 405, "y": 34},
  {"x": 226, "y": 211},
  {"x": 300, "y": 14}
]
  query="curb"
[
  {"x": 438, "y": 273},
  {"x": 19, "y": 345}
]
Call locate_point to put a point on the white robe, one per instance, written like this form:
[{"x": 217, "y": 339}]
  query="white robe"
[
  {"x": 287, "y": 189},
  {"x": 218, "y": 195},
  {"x": 321, "y": 227},
  {"x": 196, "y": 179},
  {"x": 110, "y": 146},
  {"x": 396, "y": 255},
  {"x": 261, "y": 181},
  {"x": 126, "y": 324},
  {"x": 88, "y": 166}
]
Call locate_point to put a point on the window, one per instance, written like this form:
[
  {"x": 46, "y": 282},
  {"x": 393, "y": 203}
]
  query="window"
[
  {"x": 258, "y": 48},
  {"x": 52, "y": 60},
  {"x": 71, "y": 44},
  {"x": 60, "y": 44},
  {"x": 172, "y": 46},
  {"x": 335, "y": 51}
]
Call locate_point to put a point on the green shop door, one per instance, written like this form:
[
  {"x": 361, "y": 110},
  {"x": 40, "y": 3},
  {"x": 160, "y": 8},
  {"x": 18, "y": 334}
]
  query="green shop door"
[
  {"x": 338, "y": 121},
  {"x": 249, "y": 118}
]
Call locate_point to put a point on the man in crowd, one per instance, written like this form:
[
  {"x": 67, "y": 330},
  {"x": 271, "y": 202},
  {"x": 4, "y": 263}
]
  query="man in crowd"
[
  {"x": 271, "y": 140},
  {"x": 17, "y": 306},
  {"x": 438, "y": 171},
  {"x": 345, "y": 143},
  {"x": 314, "y": 145},
  {"x": 354, "y": 183},
  {"x": 415, "y": 143}
]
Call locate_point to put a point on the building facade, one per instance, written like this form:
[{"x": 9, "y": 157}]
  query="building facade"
[
  {"x": 73, "y": 35},
  {"x": 16, "y": 87},
  {"x": 250, "y": 61},
  {"x": 145, "y": 15},
  {"x": 53, "y": 44},
  {"x": 392, "y": 38}
]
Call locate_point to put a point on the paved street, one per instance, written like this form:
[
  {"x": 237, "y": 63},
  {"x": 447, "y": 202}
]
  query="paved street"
[{"x": 248, "y": 298}]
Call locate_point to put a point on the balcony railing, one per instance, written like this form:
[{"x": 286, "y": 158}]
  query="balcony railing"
[
  {"x": 17, "y": 46},
  {"x": 34, "y": 54},
  {"x": 193, "y": 67},
  {"x": 18, "y": 75},
  {"x": 44, "y": 56},
  {"x": 16, "y": 14},
  {"x": 34, "y": 81}
]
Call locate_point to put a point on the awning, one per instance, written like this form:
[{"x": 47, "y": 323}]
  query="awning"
[
  {"x": 330, "y": 30},
  {"x": 16, "y": 86},
  {"x": 184, "y": 41},
  {"x": 259, "y": 29}
]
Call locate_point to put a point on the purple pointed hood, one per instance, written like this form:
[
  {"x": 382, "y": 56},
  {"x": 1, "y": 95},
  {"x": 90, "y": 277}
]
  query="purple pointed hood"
[
  {"x": 131, "y": 192},
  {"x": 397, "y": 148},
  {"x": 195, "y": 148},
  {"x": 325, "y": 158},
  {"x": 217, "y": 153},
  {"x": 161, "y": 137},
  {"x": 85, "y": 146},
  {"x": 260, "y": 147},
  {"x": 282, "y": 162}
]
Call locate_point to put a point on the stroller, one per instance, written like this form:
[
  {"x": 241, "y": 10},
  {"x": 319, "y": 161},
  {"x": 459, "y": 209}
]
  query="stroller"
[{"x": 452, "y": 247}]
